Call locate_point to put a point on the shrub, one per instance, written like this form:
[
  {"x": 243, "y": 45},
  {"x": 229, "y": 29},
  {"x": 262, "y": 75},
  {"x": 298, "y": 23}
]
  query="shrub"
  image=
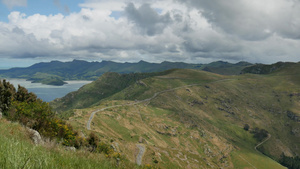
[
  {"x": 93, "y": 141},
  {"x": 260, "y": 134},
  {"x": 246, "y": 127}
]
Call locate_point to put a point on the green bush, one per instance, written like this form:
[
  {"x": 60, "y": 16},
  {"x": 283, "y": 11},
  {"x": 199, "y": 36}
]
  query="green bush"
[
  {"x": 260, "y": 134},
  {"x": 25, "y": 108}
]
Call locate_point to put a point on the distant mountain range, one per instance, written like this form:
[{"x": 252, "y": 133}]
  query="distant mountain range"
[{"x": 55, "y": 72}]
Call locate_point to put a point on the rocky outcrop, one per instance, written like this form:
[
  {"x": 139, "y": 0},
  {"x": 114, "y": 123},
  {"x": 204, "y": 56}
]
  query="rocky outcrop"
[
  {"x": 164, "y": 129},
  {"x": 296, "y": 132},
  {"x": 35, "y": 136},
  {"x": 293, "y": 116},
  {"x": 196, "y": 102},
  {"x": 70, "y": 149},
  {"x": 141, "y": 83}
]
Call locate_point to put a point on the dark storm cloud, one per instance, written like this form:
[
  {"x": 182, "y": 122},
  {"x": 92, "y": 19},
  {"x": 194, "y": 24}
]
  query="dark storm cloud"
[{"x": 147, "y": 18}]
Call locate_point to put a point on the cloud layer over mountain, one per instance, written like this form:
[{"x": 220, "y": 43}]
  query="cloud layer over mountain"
[{"x": 175, "y": 30}]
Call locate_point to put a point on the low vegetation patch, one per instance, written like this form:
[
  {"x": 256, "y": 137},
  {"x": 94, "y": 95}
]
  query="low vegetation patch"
[{"x": 25, "y": 108}]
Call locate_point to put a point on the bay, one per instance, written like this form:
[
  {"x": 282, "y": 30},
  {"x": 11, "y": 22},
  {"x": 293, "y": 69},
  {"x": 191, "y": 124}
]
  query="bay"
[{"x": 48, "y": 92}]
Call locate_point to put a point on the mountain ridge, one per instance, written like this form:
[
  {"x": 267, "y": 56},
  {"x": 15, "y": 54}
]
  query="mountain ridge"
[{"x": 84, "y": 70}]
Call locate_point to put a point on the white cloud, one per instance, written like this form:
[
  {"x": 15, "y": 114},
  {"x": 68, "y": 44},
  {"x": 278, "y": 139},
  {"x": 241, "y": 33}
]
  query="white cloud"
[
  {"x": 191, "y": 31},
  {"x": 12, "y": 3}
]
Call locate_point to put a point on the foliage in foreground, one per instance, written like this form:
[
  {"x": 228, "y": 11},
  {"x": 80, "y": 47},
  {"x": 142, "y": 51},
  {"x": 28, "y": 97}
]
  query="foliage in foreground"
[
  {"x": 17, "y": 152},
  {"x": 25, "y": 108}
]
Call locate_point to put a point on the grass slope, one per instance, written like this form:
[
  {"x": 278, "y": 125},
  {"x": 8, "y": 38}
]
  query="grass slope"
[
  {"x": 17, "y": 151},
  {"x": 107, "y": 85},
  {"x": 201, "y": 125}
]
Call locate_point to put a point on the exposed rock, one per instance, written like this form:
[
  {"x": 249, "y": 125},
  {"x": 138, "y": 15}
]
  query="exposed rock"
[
  {"x": 141, "y": 140},
  {"x": 164, "y": 129},
  {"x": 35, "y": 136},
  {"x": 293, "y": 116},
  {"x": 0, "y": 115},
  {"x": 166, "y": 133},
  {"x": 196, "y": 102},
  {"x": 296, "y": 132},
  {"x": 70, "y": 149},
  {"x": 115, "y": 147},
  {"x": 141, "y": 83},
  {"x": 139, "y": 156}
]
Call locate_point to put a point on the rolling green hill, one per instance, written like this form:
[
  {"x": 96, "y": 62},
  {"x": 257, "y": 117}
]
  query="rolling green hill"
[
  {"x": 55, "y": 72},
  {"x": 107, "y": 85},
  {"x": 194, "y": 119}
]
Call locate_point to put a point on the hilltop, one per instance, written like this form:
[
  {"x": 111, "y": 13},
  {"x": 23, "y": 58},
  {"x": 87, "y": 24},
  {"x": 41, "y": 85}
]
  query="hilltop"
[
  {"x": 55, "y": 72},
  {"x": 188, "y": 118}
]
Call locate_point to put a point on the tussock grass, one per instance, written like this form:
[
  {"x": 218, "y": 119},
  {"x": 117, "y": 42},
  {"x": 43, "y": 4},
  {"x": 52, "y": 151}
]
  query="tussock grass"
[{"x": 17, "y": 151}]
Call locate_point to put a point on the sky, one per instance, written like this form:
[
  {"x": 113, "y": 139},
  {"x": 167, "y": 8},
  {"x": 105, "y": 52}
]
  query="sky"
[{"x": 192, "y": 31}]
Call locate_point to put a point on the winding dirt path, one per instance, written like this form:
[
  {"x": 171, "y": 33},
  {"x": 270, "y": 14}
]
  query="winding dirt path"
[
  {"x": 139, "y": 157},
  {"x": 269, "y": 136},
  {"x": 142, "y": 148},
  {"x": 88, "y": 126}
]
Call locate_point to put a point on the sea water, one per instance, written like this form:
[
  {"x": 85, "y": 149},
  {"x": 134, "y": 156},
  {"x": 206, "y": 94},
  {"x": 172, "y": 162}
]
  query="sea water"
[{"x": 48, "y": 92}]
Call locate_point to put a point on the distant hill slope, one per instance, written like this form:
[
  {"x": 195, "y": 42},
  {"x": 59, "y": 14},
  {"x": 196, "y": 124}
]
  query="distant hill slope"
[
  {"x": 56, "y": 71},
  {"x": 107, "y": 85},
  {"x": 225, "y": 68},
  {"x": 195, "y": 119},
  {"x": 267, "y": 69}
]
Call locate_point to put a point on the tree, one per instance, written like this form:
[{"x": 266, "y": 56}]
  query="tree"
[
  {"x": 7, "y": 92},
  {"x": 260, "y": 134},
  {"x": 23, "y": 95}
]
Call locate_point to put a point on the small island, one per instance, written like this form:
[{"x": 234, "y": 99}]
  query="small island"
[{"x": 47, "y": 79}]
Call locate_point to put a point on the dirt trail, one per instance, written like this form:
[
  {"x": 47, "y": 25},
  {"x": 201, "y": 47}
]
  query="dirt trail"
[
  {"x": 269, "y": 136},
  {"x": 88, "y": 126},
  {"x": 139, "y": 157}
]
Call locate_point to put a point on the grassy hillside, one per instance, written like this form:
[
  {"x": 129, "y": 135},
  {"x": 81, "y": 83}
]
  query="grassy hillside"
[
  {"x": 195, "y": 119},
  {"x": 107, "y": 85},
  {"x": 17, "y": 151}
]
